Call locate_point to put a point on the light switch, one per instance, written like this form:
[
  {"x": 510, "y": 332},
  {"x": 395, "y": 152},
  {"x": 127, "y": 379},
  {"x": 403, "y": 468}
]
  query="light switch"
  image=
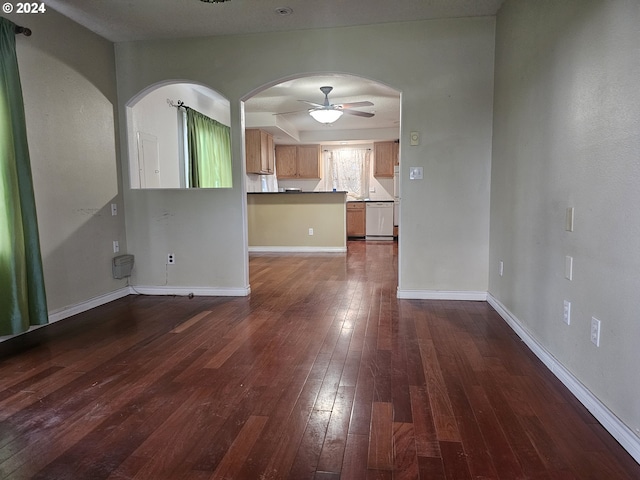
[
  {"x": 569, "y": 220},
  {"x": 568, "y": 267},
  {"x": 414, "y": 138},
  {"x": 415, "y": 173}
]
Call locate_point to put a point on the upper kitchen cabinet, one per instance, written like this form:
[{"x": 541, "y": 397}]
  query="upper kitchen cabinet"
[
  {"x": 259, "y": 151},
  {"x": 385, "y": 158},
  {"x": 298, "y": 161}
]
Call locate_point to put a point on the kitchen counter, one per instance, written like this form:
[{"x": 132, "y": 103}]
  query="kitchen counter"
[
  {"x": 295, "y": 192},
  {"x": 297, "y": 221}
]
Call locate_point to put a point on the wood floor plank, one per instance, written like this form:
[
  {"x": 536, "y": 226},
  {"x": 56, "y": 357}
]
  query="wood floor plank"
[
  {"x": 381, "y": 437},
  {"x": 191, "y": 322},
  {"x": 426, "y": 437},
  {"x": 232, "y": 462},
  {"x": 405, "y": 458},
  {"x": 454, "y": 461},
  {"x": 321, "y": 373},
  {"x": 446, "y": 426},
  {"x": 333, "y": 448}
]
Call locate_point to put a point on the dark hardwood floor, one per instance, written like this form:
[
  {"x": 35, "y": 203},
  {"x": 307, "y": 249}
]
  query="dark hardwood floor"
[{"x": 320, "y": 374}]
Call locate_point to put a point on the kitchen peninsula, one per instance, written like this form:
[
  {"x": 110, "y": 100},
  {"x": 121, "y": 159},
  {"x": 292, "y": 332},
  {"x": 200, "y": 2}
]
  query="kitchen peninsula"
[{"x": 297, "y": 221}]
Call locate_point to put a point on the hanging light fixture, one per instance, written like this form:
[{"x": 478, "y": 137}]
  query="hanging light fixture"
[{"x": 325, "y": 115}]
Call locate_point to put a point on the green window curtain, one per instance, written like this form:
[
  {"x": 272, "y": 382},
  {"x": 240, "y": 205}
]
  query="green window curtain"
[
  {"x": 209, "y": 151},
  {"x": 22, "y": 295}
]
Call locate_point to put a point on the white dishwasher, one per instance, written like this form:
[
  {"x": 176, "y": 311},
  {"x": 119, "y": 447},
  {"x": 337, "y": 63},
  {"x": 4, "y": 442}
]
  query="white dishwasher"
[{"x": 379, "y": 220}]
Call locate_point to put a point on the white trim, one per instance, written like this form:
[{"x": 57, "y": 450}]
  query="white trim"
[
  {"x": 297, "y": 249},
  {"x": 70, "y": 310},
  {"x": 618, "y": 430},
  {"x": 442, "y": 295},
  {"x": 186, "y": 291}
]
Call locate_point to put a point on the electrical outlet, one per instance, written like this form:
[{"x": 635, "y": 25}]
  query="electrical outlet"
[
  {"x": 116, "y": 246},
  {"x": 171, "y": 259},
  {"x": 311, "y": 231},
  {"x": 567, "y": 312},
  {"x": 595, "y": 331}
]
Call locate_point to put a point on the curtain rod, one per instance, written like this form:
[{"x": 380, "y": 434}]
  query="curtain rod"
[
  {"x": 22, "y": 30},
  {"x": 346, "y": 146},
  {"x": 180, "y": 104}
]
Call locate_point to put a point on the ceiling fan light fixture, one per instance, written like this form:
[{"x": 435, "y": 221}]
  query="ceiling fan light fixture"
[{"x": 325, "y": 115}]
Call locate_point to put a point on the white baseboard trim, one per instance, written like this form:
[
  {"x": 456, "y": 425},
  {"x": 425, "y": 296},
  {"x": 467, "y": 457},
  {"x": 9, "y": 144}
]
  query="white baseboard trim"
[
  {"x": 442, "y": 295},
  {"x": 618, "y": 430},
  {"x": 258, "y": 249},
  {"x": 186, "y": 291},
  {"x": 69, "y": 311}
]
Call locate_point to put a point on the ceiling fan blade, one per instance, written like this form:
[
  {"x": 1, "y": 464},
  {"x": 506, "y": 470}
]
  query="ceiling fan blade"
[
  {"x": 317, "y": 105},
  {"x": 358, "y": 113},
  {"x": 293, "y": 111},
  {"x": 354, "y": 104}
]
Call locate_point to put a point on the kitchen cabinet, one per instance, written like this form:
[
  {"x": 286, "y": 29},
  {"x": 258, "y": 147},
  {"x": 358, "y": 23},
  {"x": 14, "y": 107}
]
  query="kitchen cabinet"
[
  {"x": 385, "y": 157},
  {"x": 356, "y": 218},
  {"x": 259, "y": 150},
  {"x": 298, "y": 161}
]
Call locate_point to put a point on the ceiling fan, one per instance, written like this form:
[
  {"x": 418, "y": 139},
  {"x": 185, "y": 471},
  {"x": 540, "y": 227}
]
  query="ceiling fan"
[{"x": 330, "y": 112}]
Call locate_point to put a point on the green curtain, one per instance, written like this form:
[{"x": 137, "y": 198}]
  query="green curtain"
[
  {"x": 209, "y": 151},
  {"x": 22, "y": 295}
]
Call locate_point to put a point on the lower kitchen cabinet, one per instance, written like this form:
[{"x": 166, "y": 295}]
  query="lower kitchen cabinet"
[{"x": 356, "y": 218}]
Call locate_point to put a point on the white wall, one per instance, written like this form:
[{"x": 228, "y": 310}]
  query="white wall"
[
  {"x": 443, "y": 68},
  {"x": 68, "y": 81},
  {"x": 567, "y": 134}
]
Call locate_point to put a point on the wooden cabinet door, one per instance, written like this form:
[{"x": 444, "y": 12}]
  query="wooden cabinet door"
[
  {"x": 286, "y": 161},
  {"x": 266, "y": 152},
  {"x": 384, "y": 157},
  {"x": 309, "y": 161},
  {"x": 356, "y": 219},
  {"x": 259, "y": 151},
  {"x": 252, "y": 150}
]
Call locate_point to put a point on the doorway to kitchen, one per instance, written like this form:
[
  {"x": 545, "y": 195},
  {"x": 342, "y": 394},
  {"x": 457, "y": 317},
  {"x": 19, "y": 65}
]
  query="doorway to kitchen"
[{"x": 299, "y": 198}]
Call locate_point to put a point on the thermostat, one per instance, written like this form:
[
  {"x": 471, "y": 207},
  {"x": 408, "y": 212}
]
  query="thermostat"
[{"x": 414, "y": 138}]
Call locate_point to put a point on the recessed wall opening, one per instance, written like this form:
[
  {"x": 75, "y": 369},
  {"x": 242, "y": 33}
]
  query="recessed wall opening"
[{"x": 157, "y": 131}]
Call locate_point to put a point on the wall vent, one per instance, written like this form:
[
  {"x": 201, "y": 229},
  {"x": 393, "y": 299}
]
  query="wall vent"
[{"x": 122, "y": 266}]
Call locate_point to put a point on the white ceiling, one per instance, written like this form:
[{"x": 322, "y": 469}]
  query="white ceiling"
[
  {"x": 300, "y": 127},
  {"x": 124, "y": 20},
  {"x": 128, "y": 20}
]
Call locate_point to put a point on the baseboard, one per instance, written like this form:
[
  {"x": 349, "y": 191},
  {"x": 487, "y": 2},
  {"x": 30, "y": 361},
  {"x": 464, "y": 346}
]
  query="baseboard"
[
  {"x": 69, "y": 311},
  {"x": 618, "y": 430},
  {"x": 186, "y": 291},
  {"x": 442, "y": 295},
  {"x": 259, "y": 249}
]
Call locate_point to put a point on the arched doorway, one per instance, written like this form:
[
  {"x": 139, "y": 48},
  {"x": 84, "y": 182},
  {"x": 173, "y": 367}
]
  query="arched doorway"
[{"x": 281, "y": 112}]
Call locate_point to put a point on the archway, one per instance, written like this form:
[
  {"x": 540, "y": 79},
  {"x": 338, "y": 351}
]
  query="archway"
[{"x": 280, "y": 110}]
